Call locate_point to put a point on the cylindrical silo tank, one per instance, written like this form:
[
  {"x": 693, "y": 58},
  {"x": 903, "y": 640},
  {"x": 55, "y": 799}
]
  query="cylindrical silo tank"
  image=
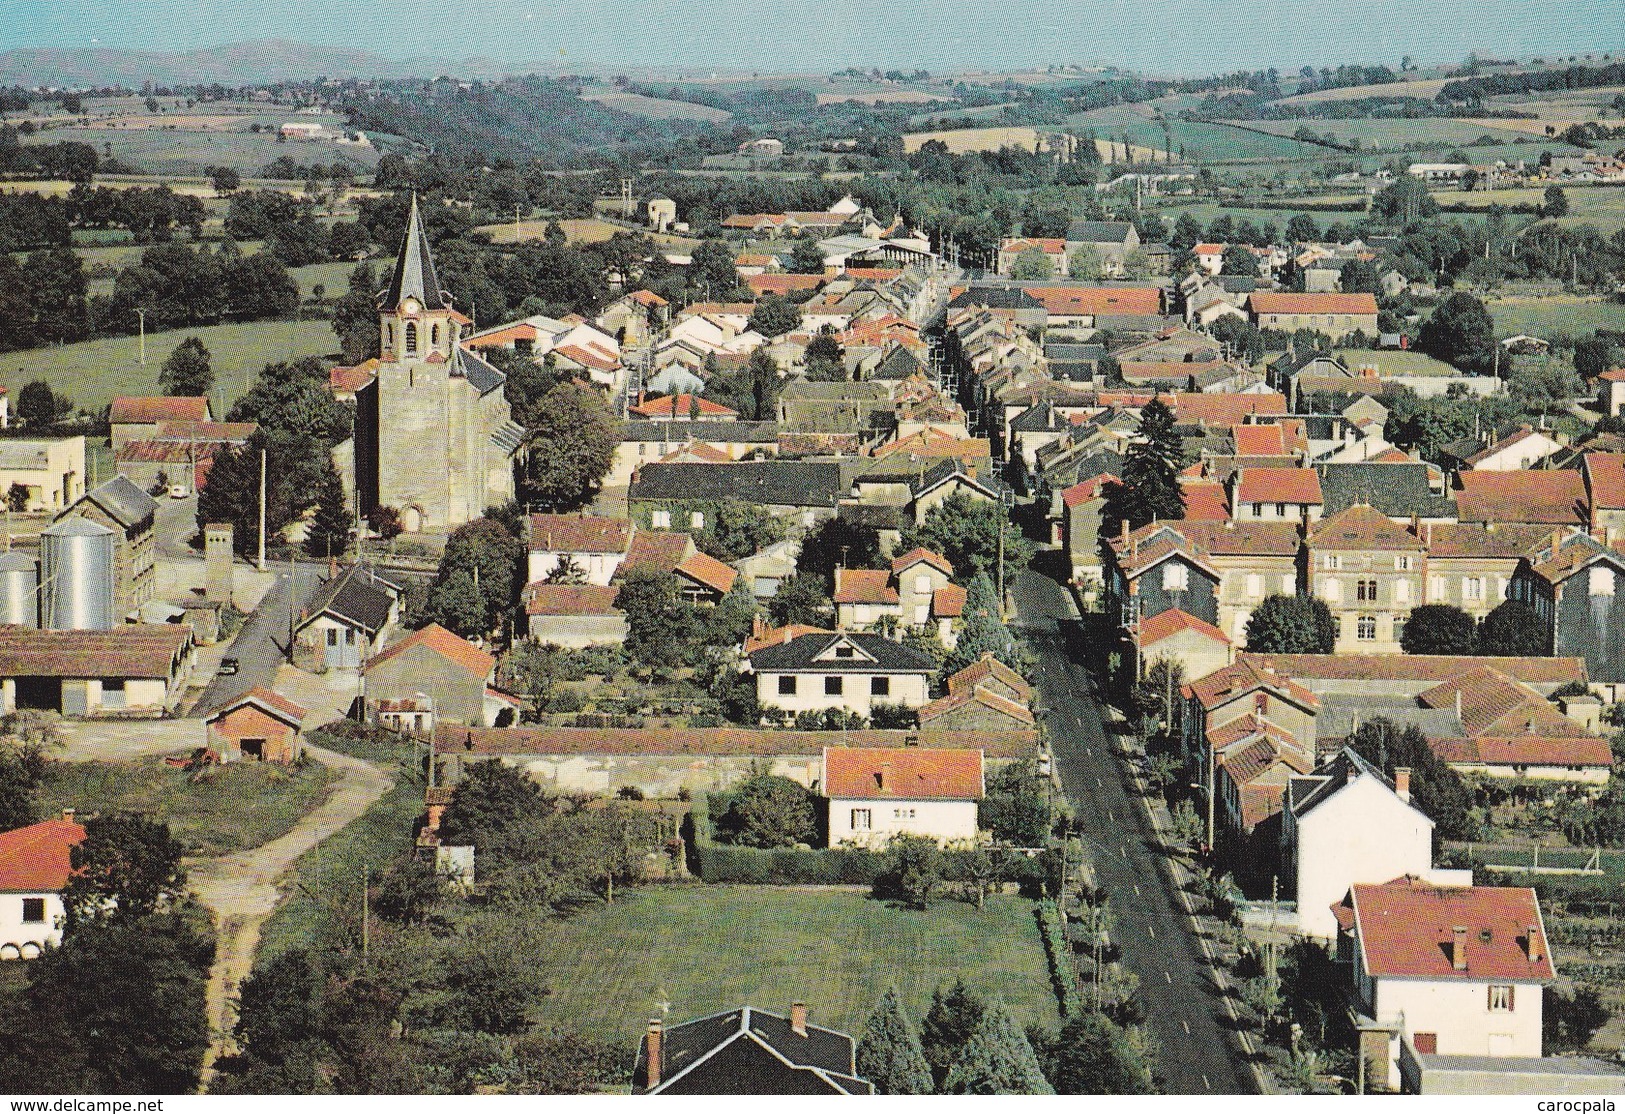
[
  {"x": 76, "y": 574},
  {"x": 19, "y": 589}
]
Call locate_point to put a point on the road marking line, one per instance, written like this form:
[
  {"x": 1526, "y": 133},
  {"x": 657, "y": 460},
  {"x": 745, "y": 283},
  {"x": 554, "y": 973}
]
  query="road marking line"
[
  {"x": 1152, "y": 929},
  {"x": 1169, "y": 979},
  {"x": 1206, "y": 1084},
  {"x": 1187, "y": 1025}
]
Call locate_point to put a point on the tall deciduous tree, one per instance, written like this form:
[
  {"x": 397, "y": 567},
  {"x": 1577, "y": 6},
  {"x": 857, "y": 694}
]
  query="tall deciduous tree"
[
  {"x": 127, "y": 866},
  {"x": 659, "y": 624},
  {"x": 187, "y": 372},
  {"x": 765, "y": 810},
  {"x": 834, "y": 543},
  {"x": 774, "y": 316},
  {"x": 966, "y": 532},
  {"x": 1291, "y": 625},
  {"x": 1439, "y": 628},
  {"x": 477, "y": 583},
  {"x": 805, "y": 258},
  {"x": 572, "y": 442},
  {"x": 889, "y": 1052},
  {"x": 1460, "y": 332},
  {"x": 1513, "y": 630}
]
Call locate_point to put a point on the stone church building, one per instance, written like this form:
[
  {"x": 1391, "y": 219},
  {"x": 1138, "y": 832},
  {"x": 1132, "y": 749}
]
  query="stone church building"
[{"x": 434, "y": 436}]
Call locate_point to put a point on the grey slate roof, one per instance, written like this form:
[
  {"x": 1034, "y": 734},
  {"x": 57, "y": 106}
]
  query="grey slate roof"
[
  {"x": 822, "y": 1061},
  {"x": 788, "y": 483},
  {"x": 123, "y": 501},
  {"x": 1342, "y": 714},
  {"x": 482, "y": 376},
  {"x": 798, "y": 655},
  {"x": 508, "y": 437},
  {"x": 414, "y": 268},
  {"x": 1397, "y": 490},
  {"x": 638, "y": 429},
  {"x": 996, "y": 297},
  {"x": 899, "y": 363},
  {"x": 1330, "y": 778},
  {"x": 355, "y": 597},
  {"x": 1097, "y": 231}
]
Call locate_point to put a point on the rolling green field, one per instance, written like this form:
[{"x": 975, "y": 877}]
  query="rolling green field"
[
  {"x": 1546, "y": 316},
  {"x": 1392, "y": 133},
  {"x": 1207, "y": 142},
  {"x": 230, "y": 808},
  {"x": 707, "y": 948},
  {"x": 94, "y": 372}
]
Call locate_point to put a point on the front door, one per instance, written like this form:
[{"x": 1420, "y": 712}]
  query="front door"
[{"x": 253, "y": 750}]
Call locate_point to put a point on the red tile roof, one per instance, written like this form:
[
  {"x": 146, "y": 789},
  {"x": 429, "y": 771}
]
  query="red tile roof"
[
  {"x": 919, "y": 553},
  {"x": 1525, "y": 750},
  {"x": 864, "y": 586},
  {"x": 1259, "y": 440},
  {"x": 1196, "y": 408},
  {"x": 1264, "y": 302},
  {"x": 542, "y": 598},
  {"x": 1406, "y": 930},
  {"x": 1046, "y": 244},
  {"x": 1551, "y": 497},
  {"x": 976, "y": 694},
  {"x": 163, "y": 409},
  {"x": 682, "y": 405},
  {"x": 1223, "y": 685},
  {"x": 989, "y": 667},
  {"x": 661, "y": 550},
  {"x": 1278, "y": 485},
  {"x": 1205, "y": 501},
  {"x": 1478, "y": 539},
  {"x": 914, "y": 774},
  {"x": 1362, "y": 527},
  {"x": 351, "y": 379},
  {"x": 275, "y": 703},
  {"x": 1085, "y": 490},
  {"x": 782, "y": 284},
  {"x": 772, "y": 636},
  {"x": 647, "y": 298},
  {"x": 146, "y": 651},
  {"x": 1416, "y": 667},
  {"x": 1614, "y": 375},
  {"x": 37, "y": 859},
  {"x": 579, "y": 533},
  {"x": 588, "y": 357},
  {"x": 1605, "y": 476},
  {"x": 458, "y": 651},
  {"x": 948, "y": 602},
  {"x": 1168, "y": 623},
  {"x": 706, "y": 570},
  {"x": 1098, "y": 300}
]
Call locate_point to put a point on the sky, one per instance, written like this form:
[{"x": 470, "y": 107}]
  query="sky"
[{"x": 1159, "y": 36}]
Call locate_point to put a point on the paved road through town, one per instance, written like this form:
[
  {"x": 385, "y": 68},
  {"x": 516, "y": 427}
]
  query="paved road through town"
[
  {"x": 1198, "y": 1053},
  {"x": 261, "y": 644}
]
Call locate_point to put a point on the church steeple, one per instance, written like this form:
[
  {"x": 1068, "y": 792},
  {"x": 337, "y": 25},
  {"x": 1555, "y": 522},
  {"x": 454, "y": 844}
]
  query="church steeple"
[{"x": 414, "y": 269}]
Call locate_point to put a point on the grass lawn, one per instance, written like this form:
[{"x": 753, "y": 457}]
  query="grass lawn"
[
  {"x": 94, "y": 372},
  {"x": 1546, "y": 316},
  {"x": 229, "y": 808},
  {"x": 707, "y": 948}
]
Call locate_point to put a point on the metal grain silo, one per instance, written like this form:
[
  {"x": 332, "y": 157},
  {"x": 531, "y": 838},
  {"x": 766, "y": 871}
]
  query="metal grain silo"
[
  {"x": 19, "y": 589},
  {"x": 76, "y": 571}
]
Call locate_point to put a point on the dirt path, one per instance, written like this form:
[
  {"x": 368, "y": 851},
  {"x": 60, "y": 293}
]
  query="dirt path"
[{"x": 241, "y": 889}]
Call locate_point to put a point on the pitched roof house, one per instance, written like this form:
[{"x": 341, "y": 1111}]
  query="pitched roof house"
[
  {"x": 454, "y": 673},
  {"x": 875, "y": 794},
  {"x": 847, "y": 670},
  {"x": 747, "y": 1051},
  {"x": 35, "y": 865}
]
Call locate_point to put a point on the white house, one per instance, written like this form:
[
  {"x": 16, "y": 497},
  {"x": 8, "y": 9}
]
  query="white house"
[
  {"x": 595, "y": 545},
  {"x": 1345, "y": 823},
  {"x": 916, "y": 592},
  {"x": 1522, "y": 449},
  {"x": 1444, "y": 970},
  {"x": 845, "y": 670},
  {"x": 876, "y": 793},
  {"x": 34, "y": 869}
]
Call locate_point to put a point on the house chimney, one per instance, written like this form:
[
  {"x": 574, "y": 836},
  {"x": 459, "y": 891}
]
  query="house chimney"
[
  {"x": 1534, "y": 944},
  {"x": 798, "y": 1018},
  {"x": 332, "y": 567},
  {"x": 1402, "y": 782},
  {"x": 652, "y": 1043},
  {"x": 883, "y": 776},
  {"x": 1458, "y": 948}
]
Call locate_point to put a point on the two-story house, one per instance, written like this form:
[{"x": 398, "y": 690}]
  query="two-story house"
[
  {"x": 591, "y": 543},
  {"x": 1576, "y": 585},
  {"x": 875, "y": 793},
  {"x": 1370, "y": 572},
  {"x": 915, "y": 593},
  {"x": 847, "y": 671},
  {"x": 1471, "y": 565},
  {"x": 1442, "y": 970},
  {"x": 1274, "y": 494}
]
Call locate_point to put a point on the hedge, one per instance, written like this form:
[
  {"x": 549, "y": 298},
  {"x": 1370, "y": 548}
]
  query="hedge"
[
  {"x": 835, "y": 866},
  {"x": 1052, "y": 928}
]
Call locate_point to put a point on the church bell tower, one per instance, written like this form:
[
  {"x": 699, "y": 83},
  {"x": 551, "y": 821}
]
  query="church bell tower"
[{"x": 416, "y": 323}]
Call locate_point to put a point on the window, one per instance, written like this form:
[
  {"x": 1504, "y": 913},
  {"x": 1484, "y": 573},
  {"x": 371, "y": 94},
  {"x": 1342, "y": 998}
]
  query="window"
[
  {"x": 1402, "y": 562},
  {"x": 833, "y": 686},
  {"x": 660, "y": 520},
  {"x": 902, "y": 814},
  {"x": 411, "y": 338},
  {"x": 1472, "y": 587},
  {"x": 1289, "y": 584},
  {"x": 879, "y": 686},
  {"x": 1399, "y": 628},
  {"x": 845, "y": 652},
  {"x": 1258, "y": 510},
  {"x": 862, "y": 820},
  {"x": 1280, "y": 510},
  {"x": 1365, "y": 591},
  {"x": 1500, "y": 999},
  {"x": 787, "y": 686},
  {"x": 1331, "y": 561},
  {"x": 696, "y": 520},
  {"x": 1255, "y": 585},
  {"x": 1365, "y": 628},
  {"x": 33, "y": 910},
  {"x": 1175, "y": 577},
  {"x": 434, "y": 334},
  {"x": 332, "y": 636},
  {"x": 1602, "y": 581}
]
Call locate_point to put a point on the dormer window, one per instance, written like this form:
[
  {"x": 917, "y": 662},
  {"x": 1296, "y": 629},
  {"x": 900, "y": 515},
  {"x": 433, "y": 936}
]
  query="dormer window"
[{"x": 845, "y": 652}]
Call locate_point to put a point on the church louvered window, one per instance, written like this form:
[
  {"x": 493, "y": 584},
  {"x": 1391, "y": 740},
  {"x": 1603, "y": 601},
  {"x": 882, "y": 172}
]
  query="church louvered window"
[
  {"x": 411, "y": 338},
  {"x": 434, "y": 335}
]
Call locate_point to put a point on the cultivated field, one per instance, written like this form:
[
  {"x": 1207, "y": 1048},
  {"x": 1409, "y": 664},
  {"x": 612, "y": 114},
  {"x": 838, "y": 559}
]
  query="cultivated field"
[
  {"x": 1398, "y": 132},
  {"x": 94, "y": 372},
  {"x": 961, "y": 140},
  {"x": 884, "y": 96},
  {"x": 577, "y": 231},
  {"x": 1543, "y": 317},
  {"x": 702, "y": 949},
  {"x": 1426, "y": 88},
  {"x": 658, "y": 108}
]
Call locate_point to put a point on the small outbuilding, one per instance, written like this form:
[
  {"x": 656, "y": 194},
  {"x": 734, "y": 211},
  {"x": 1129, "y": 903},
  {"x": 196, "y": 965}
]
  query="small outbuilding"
[{"x": 258, "y": 726}]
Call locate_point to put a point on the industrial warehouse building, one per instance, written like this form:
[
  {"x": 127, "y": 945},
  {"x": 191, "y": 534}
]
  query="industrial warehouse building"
[{"x": 136, "y": 670}]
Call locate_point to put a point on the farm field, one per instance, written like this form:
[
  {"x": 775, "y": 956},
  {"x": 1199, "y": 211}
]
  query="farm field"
[
  {"x": 656, "y": 108},
  {"x": 1601, "y": 206},
  {"x": 94, "y": 372},
  {"x": 1207, "y": 142},
  {"x": 1398, "y": 132},
  {"x": 961, "y": 140},
  {"x": 1426, "y": 88},
  {"x": 228, "y": 809},
  {"x": 885, "y": 96},
  {"x": 1544, "y": 317},
  {"x": 576, "y": 231},
  {"x": 1206, "y": 212},
  {"x": 707, "y": 948}
]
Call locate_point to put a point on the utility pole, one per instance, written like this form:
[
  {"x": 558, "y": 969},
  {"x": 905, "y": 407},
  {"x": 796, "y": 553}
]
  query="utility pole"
[
  {"x": 141, "y": 314},
  {"x": 366, "y": 933},
  {"x": 516, "y": 224},
  {"x": 262, "y": 511},
  {"x": 293, "y": 596}
]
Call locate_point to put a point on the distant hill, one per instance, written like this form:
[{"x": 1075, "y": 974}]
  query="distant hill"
[{"x": 244, "y": 63}]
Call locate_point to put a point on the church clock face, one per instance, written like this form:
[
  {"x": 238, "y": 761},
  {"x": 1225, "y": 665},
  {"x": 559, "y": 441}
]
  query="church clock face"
[{"x": 410, "y": 306}]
